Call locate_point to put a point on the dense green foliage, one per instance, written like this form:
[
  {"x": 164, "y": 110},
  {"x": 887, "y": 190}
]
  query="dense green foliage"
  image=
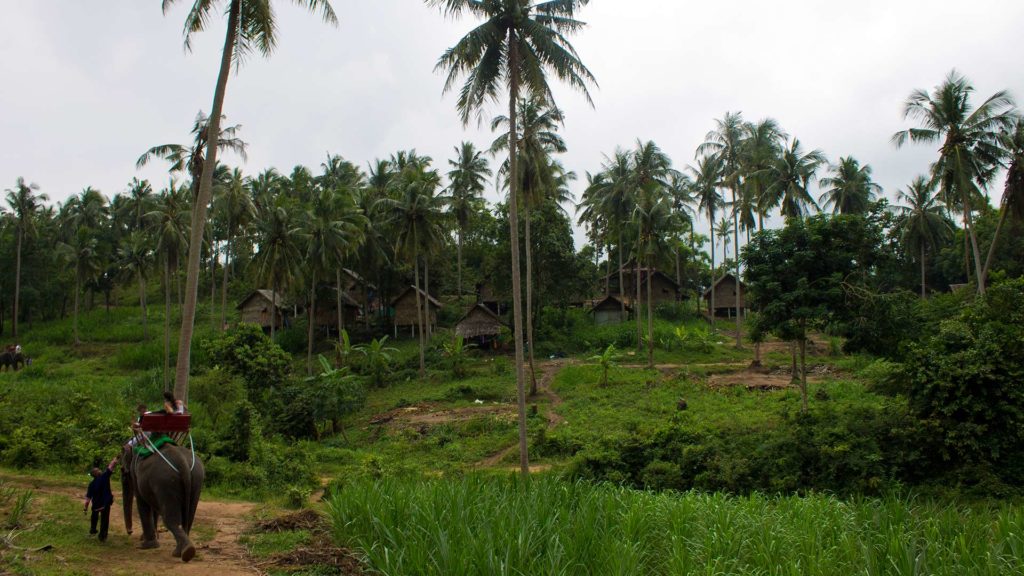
[{"x": 547, "y": 526}]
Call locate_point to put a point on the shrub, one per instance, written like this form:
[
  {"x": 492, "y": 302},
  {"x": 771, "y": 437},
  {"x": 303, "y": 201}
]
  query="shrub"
[{"x": 247, "y": 352}]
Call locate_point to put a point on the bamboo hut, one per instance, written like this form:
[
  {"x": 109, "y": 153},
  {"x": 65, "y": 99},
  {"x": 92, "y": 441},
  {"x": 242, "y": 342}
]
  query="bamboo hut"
[
  {"x": 725, "y": 296},
  {"x": 663, "y": 288},
  {"x": 327, "y": 311},
  {"x": 405, "y": 310},
  {"x": 481, "y": 326},
  {"x": 608, "y": 310},
  {"x": 256, "y": 309}
]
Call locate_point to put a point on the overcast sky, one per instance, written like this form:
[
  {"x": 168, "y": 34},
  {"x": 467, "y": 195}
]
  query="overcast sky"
[{"x": 87, "y": 86}]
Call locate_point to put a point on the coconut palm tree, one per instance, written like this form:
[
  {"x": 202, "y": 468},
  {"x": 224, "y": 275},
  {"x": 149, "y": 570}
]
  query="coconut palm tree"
[
  {"x": 82, "y": 251},
  {"x": 923, "y": 224},
  {"x": 726, "y": 141},
  {"x": 235, "y": 207},
  {"x": 613, "y": 197},
  {"x": 762, "y": 145},
  {"x": 346, "y": 180},
  {"x": 135, "y": 256},
  {"x": 707, "y": 178},
  {"x": 849, "y": 189},
  {"x": 724, "y": 228},
  {"x": 1012, "y": 204},
  {"x": 280, "y": 236},
  {"x": 138, "y": 202},
  {"x": 517, "y": 44},
  {"x": 170, "y": 223},
  {"x": 790, "y": 177},
  {"x": 251, "y": 27},
  {"x": 25, "y": 204},
  {"x": 537, "y": 139},
  {"x": 680, "y": 191},
  {"x": 970, "y": 153},
  {"x": 416, "y": 216},
  {"x": 465, "y": 189}
]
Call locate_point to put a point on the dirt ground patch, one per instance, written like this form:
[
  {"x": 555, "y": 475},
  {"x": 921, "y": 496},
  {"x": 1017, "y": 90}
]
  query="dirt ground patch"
[
  {"x": 301, "y": 520},
  {"x": 319, "y": 553},
  {"x": 761, "y": 380},
  {"x": 425, "y": 414}
]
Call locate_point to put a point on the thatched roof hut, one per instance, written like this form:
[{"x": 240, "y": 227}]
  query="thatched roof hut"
[
  {"x": 479, "y": 321},
  {"x": 663, "y": 288},
  {"x": 405, "y": 307},
  {"x": 608, "y": 310},
  {"x": 256, "y": 309},
  {"x": 327, "y": 310},
  {"x": 725, "y": 296}
]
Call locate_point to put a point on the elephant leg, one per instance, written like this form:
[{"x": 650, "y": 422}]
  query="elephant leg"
[
  {"x": 184, "y": 548},
  {"x": 147, "y": 517},
  {"x": 127, "y": 498}
]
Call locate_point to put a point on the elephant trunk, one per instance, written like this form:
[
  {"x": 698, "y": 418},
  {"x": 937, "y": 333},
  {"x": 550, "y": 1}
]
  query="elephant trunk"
[{"x": 127, "y": 490}]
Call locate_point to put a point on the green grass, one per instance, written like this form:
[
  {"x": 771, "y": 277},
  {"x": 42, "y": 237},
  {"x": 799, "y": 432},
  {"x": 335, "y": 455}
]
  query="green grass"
[{"x": 547, "y": 526}]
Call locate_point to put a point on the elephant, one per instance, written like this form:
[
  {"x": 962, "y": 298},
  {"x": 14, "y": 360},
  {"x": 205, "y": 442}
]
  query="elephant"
[
  {"x": 11, "y": 359},
  {"x": 160, "y": 490}
]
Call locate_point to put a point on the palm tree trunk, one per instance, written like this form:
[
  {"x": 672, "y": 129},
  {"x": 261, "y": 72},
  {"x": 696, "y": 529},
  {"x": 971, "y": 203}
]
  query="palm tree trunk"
[
  {"x": 17, "y": 284},
  {"x": 341, "y": 314},
  {"x": 224, "y": 280},
  {"x": 78, "y": 289},
  {"x": 736, "y": 254},
  {"x": 311, "y": 332},
  {"x": 529, "y": 300},
  {"x": 213, "y": 288},
  {"x": 188, "y": 314},
  {"x": 458, "y": 249},
  {"x": 922, "y": 272},
  {"x": 803, "y": 373},
  {"x": 650, "y": 317},
  {"x": 426, "y": 290},
  {"x": 679, "y": 273},
  {"x": 639, "y": 316},
  {"x": 167, "y": 324},
  {"x": 711, "y": 317},
  {"x": 607, "y": 273},
  {"x": 995, "y": 239},
  {"x": 974, "y": 246},
  {"x": 273, "y": 309},
  {"x": 419, "y": 307},
  {"x": 513, "y": 222},
  {"x": 142, "y": 304},
  {"x": 622, "y": 281}
]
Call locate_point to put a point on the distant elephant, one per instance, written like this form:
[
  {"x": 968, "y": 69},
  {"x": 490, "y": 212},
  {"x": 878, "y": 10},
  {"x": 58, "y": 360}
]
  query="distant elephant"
[
  {"x": 162, "y": 491},
  {"x": 12, "y": 359}
]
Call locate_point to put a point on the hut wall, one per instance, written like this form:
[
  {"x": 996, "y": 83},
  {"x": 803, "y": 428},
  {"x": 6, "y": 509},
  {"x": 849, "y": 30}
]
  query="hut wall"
[
  {"x": 725, "y": 295},
  {"x": 405, "y": 312},
  {"x": 603, "y": 317},
  {"x": 661, "y": 290},
  {"x": 478, "y": 323}
]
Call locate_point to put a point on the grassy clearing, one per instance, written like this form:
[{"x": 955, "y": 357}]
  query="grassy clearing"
[{"x": 496, "y": 527}]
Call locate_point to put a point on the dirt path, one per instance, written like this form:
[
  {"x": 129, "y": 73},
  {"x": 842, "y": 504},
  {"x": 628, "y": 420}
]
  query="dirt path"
[
  {"x": 219, "y": 553},
  {"x": 548, "y": 370}
]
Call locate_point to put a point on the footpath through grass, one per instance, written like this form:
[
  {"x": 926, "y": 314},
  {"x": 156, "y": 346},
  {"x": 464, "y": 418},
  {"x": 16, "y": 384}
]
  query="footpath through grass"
[{"x": 548, "y": 526}]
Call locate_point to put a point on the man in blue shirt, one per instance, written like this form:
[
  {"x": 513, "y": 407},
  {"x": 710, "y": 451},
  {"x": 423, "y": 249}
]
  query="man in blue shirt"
[{"x": 102, "y": 498}]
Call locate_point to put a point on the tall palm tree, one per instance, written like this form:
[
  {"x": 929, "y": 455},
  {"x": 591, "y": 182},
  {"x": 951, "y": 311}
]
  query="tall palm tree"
[
  {"x": 680, "y": 191},
  {"x": 537, "y": 139},
  {"x": 612, "y": 196},
  {"x": 82, "y": 251},
  {"x": 651, "y": 170},
  {"x": 170, "y": 223},
  {"x": 281, "y": 237},
  {"x": 138, "y": 203},
  {"x": 970, "y": 153},
  {"x": 923, "y": 224},
  {"x": 849, "y": 188},
  {"x": 726, "y": 141},
  {"x": 345, "y": 180},
  {"x": 237, "y": 210},
  {"x": 465, "y": 189},
  {"x": 518, "y": 43},
  {"x": 707, "y": 178},
  {"x": 135, "y": 255},
  {"x": 251, "y": 27},
  {"x": 1012, "y": 204},
  {"x": 762, "y": 145},
  {"x": 416, "y": 215},
  {"x": 25, "y": 204},
  {"x": 724, "y": 228},
  {"x": 790, "y": 177}
]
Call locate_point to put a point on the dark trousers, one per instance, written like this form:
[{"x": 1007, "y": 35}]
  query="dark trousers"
[{"x": 103, "y": 516}]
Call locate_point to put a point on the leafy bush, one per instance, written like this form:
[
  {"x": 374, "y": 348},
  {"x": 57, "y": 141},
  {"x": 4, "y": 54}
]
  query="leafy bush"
[
  {"x": 377, "y": 360},
  {"x": 247, "y": 352},
  {"x": 294, "y": 338},
  {"x": 966, "y": 385}
]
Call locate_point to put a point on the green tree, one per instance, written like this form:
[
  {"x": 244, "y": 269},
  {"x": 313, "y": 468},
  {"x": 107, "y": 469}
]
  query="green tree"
[
  {"x": 135, "y": 256},
  {"x": 707, "y": 177},
  {"x": 416, "y": 216},
  {"x": 726, "y": 142},
  {"x": 170, "y": 228},
  {"x": 279, "y": 260},
  {"x": 1012, "y": 204},
  {"x": 251, "y": 27},
  {"x": 790, "y": 176},
  {"x": 517, "y": 44},
  {"x": 336, "y": 394},
  {"x": 849, "y": 189},
  {"x": 466, "y": 185},
  {"x": 970, "y": 149},
  {"x": 762, "y": 146},
  {"x": 25, "y": 204},
  {"x": 235, "y": 208},
  {"x": 923, "y": 225}
]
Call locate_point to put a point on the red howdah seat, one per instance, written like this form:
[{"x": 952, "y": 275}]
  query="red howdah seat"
[{"x": 169, "y": 423}]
